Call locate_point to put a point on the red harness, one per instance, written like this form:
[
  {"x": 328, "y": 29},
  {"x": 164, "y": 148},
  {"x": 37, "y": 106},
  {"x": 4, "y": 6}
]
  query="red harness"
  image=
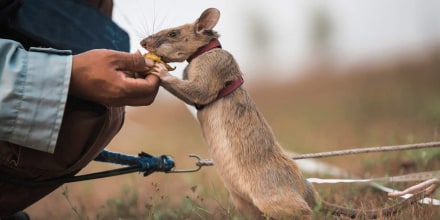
[{"x": 229, "y": 87}]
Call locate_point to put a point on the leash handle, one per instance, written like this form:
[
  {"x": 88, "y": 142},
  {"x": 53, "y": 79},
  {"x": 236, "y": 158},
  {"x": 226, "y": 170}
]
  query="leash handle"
[{"x": 146, "y": 162}]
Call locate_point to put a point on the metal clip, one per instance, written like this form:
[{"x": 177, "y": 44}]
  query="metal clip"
[{"x": 199, "y": 166}]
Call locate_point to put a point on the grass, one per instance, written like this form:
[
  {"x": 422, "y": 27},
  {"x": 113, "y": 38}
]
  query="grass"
[{"x": 375, "y": 105}]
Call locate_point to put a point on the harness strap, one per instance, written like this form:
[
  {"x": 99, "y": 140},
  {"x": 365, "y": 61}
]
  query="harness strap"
[{"x": 228, "y": 89}]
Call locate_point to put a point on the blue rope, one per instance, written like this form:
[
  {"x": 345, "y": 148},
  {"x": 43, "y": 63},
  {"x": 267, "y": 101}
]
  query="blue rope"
[
  {"x": 142, "y": 163},
  {"x": 146, "y": 162}
]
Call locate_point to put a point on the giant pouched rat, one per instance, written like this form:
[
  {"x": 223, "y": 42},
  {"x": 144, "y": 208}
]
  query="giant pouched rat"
[{"x": 259, "y": 175}]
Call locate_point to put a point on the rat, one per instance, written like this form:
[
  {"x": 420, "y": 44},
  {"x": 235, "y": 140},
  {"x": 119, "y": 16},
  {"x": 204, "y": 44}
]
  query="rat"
[{"x": 259, "y": 175}]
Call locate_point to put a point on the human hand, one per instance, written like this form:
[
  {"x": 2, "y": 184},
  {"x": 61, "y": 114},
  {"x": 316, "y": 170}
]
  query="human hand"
[
  {"x": 159, "y": 70},
  {"x": 107, "y": 77}
]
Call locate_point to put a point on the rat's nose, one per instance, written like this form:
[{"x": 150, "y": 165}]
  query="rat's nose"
[{"x": 145, "y": 43}]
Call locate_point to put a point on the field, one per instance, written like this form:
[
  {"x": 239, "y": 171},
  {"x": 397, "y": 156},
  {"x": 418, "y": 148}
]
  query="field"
[{"x": 328, "y": 109}]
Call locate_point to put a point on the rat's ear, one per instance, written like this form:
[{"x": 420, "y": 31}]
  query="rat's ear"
[{"x": 207, "y": 20}]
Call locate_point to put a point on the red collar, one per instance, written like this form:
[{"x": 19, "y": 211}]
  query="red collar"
[
  {"x": 211, "y": 45},
  {"x": 228, "y": 89}
]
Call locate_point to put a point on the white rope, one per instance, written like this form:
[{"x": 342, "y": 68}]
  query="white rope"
[{"x": 421, "y": 176}]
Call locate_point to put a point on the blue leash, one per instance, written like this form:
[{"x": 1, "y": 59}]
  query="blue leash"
[{"x": 143, "y": 163}]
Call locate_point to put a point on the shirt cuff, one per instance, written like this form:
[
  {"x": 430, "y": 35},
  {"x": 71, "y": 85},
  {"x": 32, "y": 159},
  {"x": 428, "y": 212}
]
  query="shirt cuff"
[{"x": 44, "y": 94}]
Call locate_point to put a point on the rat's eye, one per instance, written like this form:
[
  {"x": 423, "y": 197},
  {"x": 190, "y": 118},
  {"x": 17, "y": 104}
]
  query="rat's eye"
[{"x": 173, "y": 33}]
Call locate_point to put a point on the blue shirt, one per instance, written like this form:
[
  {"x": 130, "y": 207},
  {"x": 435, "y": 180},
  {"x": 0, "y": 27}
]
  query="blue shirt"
[{"x": 33, "y": 93}]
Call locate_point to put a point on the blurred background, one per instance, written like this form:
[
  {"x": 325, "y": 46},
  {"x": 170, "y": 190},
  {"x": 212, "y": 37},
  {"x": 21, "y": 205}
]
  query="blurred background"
[
  {"x": 297, "y": 33},
  {"x": 327, "y": 75}
]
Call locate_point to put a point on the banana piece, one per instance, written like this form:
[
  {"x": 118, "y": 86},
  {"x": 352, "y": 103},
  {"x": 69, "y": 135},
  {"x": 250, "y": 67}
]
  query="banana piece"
[{"x": 157, "y": 59}]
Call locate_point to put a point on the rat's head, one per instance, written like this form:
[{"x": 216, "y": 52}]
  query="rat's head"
[{"x": 179, "y": 43}]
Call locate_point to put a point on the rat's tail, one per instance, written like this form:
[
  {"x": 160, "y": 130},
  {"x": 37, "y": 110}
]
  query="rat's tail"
[{"x": 375, "y": 213}]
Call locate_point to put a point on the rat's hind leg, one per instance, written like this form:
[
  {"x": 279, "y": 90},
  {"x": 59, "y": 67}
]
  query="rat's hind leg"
[
  {"x": 244, "y": 207},
  {"x": 284, "y": 207}
]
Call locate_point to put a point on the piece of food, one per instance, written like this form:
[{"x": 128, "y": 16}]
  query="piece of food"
[{"x": 157, "y": 59}]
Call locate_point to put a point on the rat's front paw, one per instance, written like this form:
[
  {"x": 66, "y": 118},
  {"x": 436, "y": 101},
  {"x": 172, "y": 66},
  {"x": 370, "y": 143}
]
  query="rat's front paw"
[{"x": 159, "y": 70}]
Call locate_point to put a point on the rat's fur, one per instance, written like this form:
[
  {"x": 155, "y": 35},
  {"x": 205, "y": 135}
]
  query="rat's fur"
[{"x": 259, "y": 175}]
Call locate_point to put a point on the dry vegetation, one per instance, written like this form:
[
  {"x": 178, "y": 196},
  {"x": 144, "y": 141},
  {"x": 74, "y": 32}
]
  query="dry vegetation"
[{"x": 387, "y": 104}]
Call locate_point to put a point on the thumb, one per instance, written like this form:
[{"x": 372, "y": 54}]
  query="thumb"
[{"x": 133, "y": 62}]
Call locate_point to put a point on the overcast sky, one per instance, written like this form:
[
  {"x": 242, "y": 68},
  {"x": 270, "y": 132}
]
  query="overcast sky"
[{"x": 279, "y": 32}]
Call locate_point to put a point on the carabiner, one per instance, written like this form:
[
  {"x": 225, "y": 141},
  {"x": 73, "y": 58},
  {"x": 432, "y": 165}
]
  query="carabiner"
[{"x": 199, "y": 166}]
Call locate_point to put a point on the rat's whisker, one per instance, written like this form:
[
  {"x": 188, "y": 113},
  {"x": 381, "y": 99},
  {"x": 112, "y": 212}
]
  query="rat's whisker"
[
  {"x": 154, "y": 15},
  {"x": 144, "y": 26}
]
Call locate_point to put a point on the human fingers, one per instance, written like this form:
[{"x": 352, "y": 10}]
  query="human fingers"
[
  {"x": 137, "y": 92},
  {"x": 141, "y": 88},
  {"x": 103, "y": 69},
  {"x": 133, "y": 62}
]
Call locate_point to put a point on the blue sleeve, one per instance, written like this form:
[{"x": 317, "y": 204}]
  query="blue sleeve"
[{"x": 33, "y": 93}]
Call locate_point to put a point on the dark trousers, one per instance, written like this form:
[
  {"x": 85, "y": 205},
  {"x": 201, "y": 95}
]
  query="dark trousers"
[{"x": 85, "y": 131}]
